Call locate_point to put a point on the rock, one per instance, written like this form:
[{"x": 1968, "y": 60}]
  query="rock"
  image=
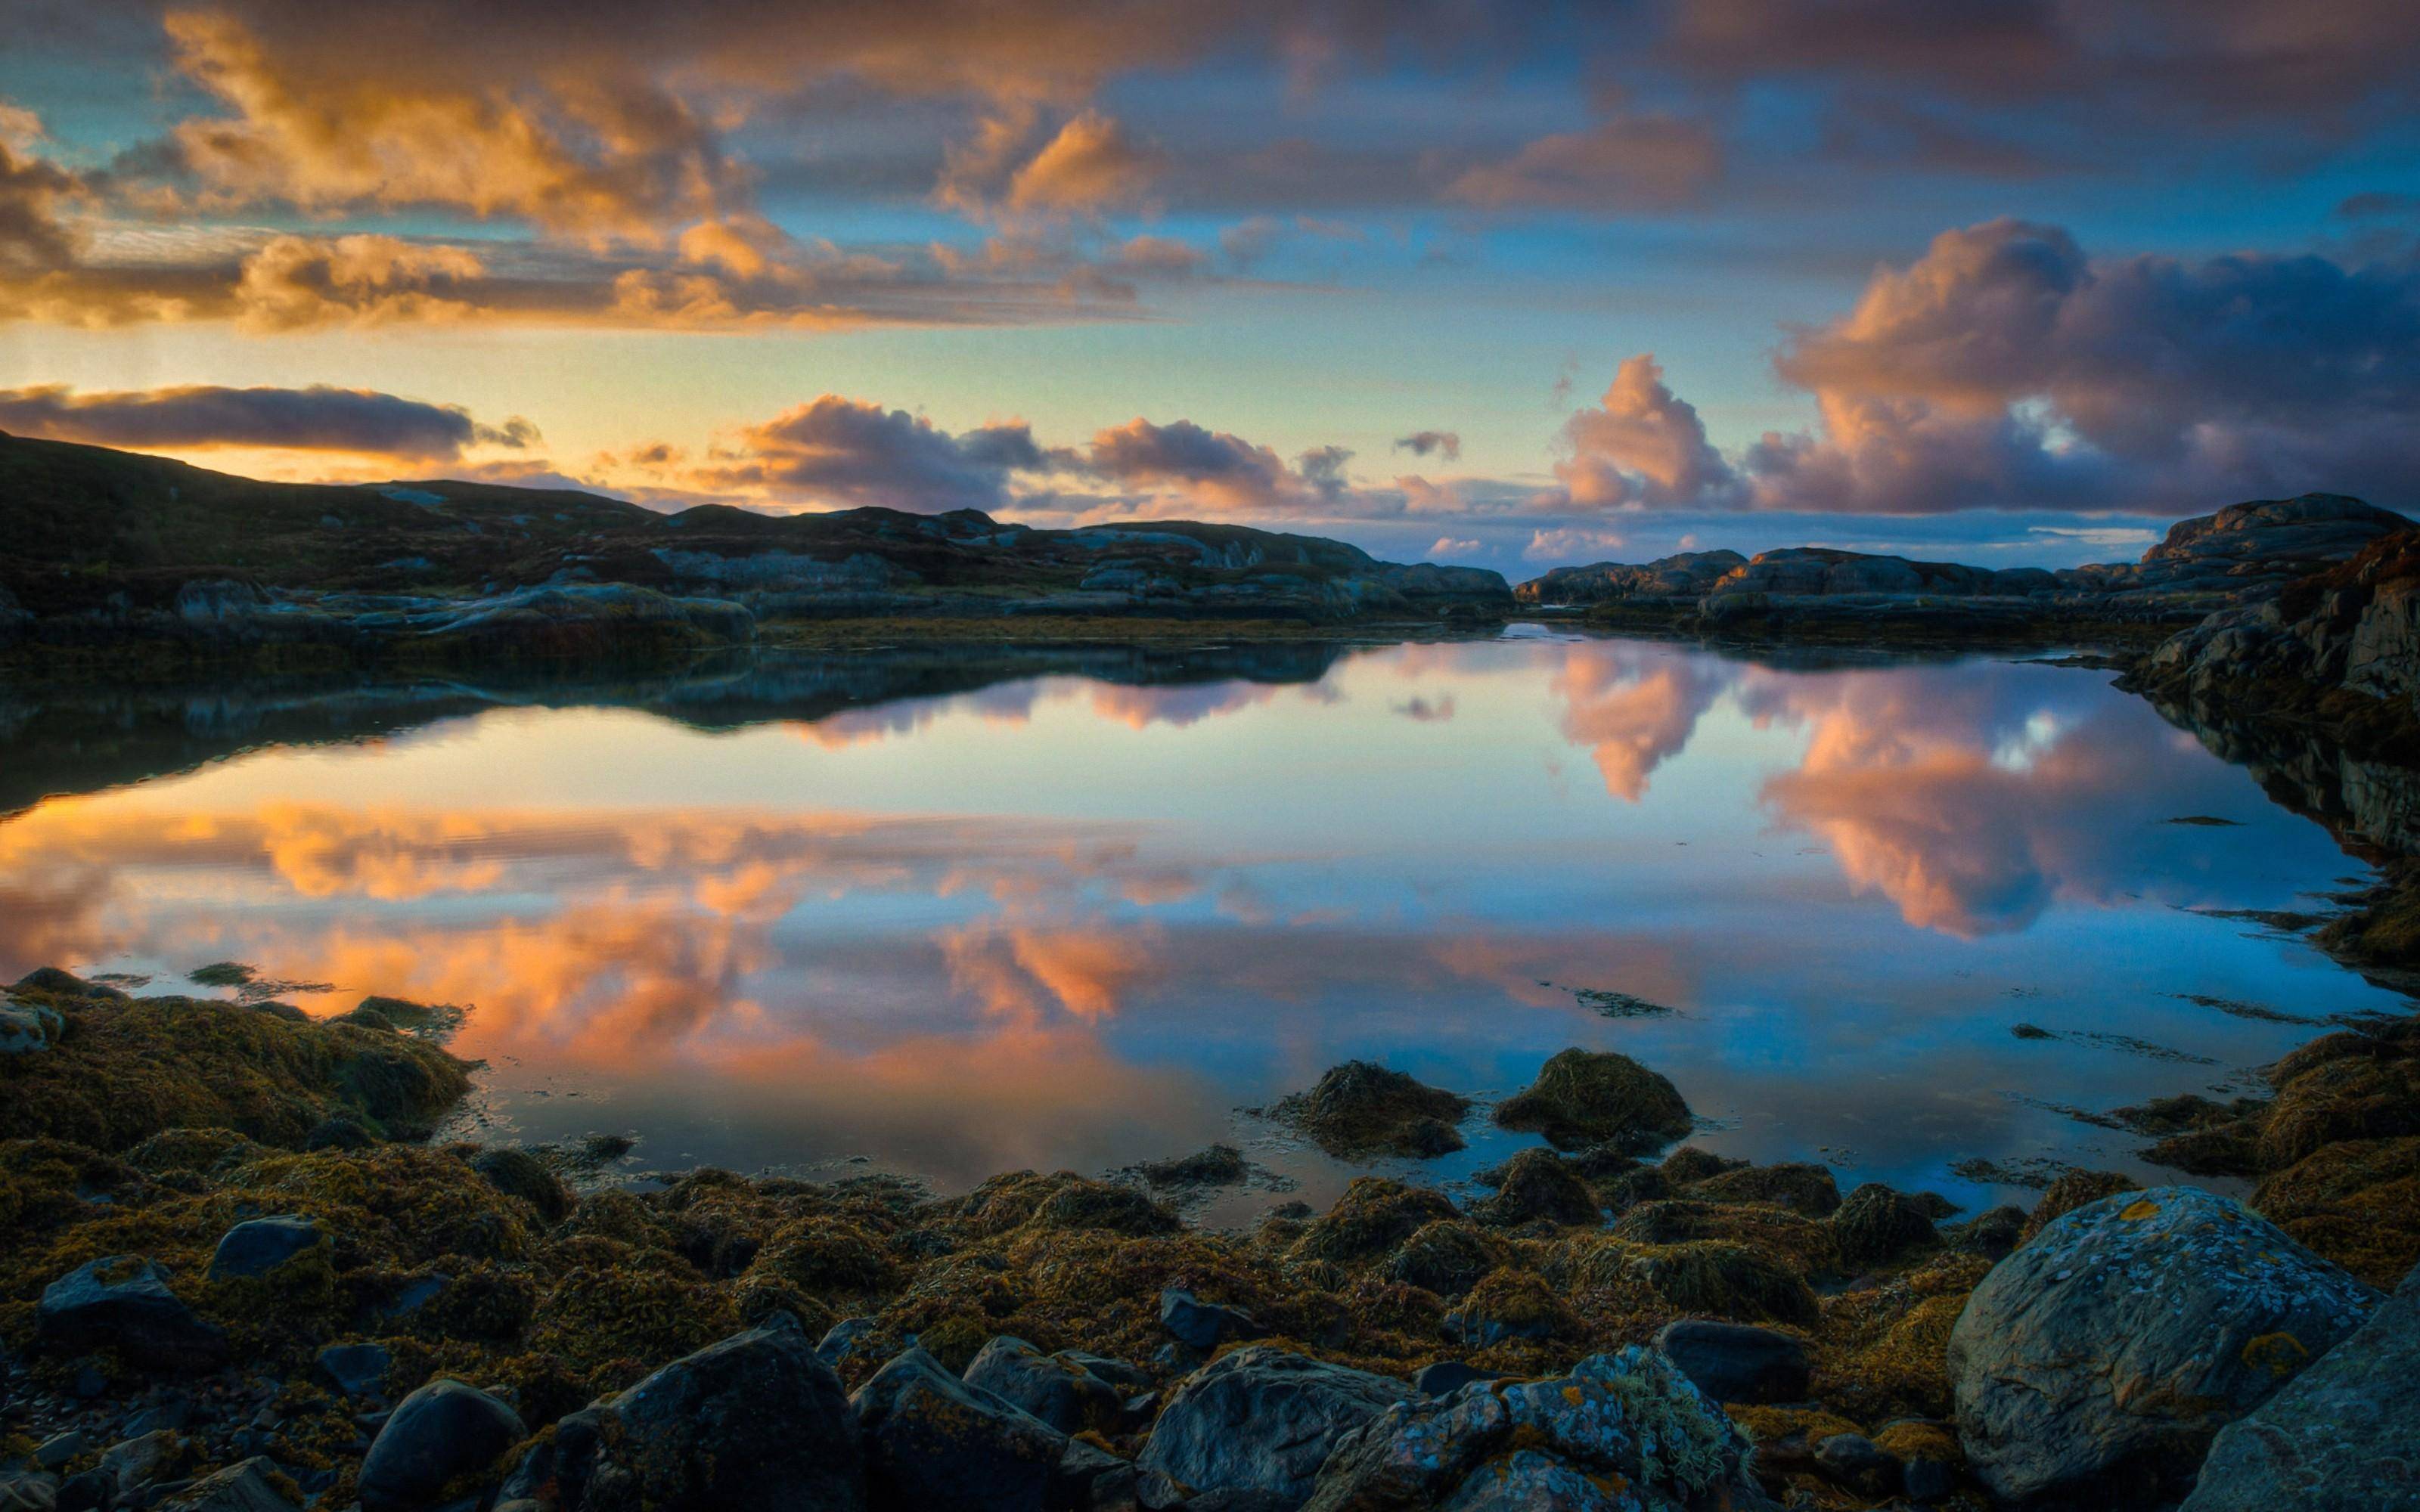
[
  {"x": 2343, "y": 1434},
  {"x": 1508, "y": 1305},
  {"x": 1991, "y": 1234},
  {"x": 1447, "y": 1256},
  {"x": 440, "y": 1434},
  {"x": 123, "y": 1303},
  {"x": 28, "y": 1491},
  {"x": 1627, "y": 1427},
  {"x": 260, "y": 1245},
  {"x": 1446, "y": 1377},
  {"x": 356, "y": 1369},
  {"x": 1362, "y": 1108},
  {"x": 1737, "y": 1362},
  {"x": 1202, "y": 1325},
  {"x": 1587, "y": 1097},
  {"x": 1055, "y": 1388},
  {"x": 932, "y": 1440},
  {"x": 1855, "y": 1460},
  {"x": 1665, "y": 580},
  {"x": 1263, "y": 1418},
  {"x": 1877, "y": 1226},
  {"x": 1536, "y": 1185},
  {"x": 1807, "y": 1190},
  {"x": 519, "y": 1174},
  {"x": 59, "y": 983},
  {"x": 843, "y": 1339},
  {"x": 59, "y": 1448},
  {"x": 244, "y": 1486},
  {"x": 2110, "y": 1349},
  {"x": 128, "y": 1466},
  {"x": 757, "y": 1421},
  {"x": 29, "y": 1029},
  {"x": 2072, "y": 1189}
]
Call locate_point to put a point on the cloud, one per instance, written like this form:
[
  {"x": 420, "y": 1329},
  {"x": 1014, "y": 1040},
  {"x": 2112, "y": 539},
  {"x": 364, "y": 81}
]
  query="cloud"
[
  {"x": 1641, "y": 445},
  {"x": 1092, "y": 164},
  {"x": 1445, "y": 443},
  {"x": 1624, "y": 162},
  {"x": 32, "y": 194},
  {"x": 1214, "y": 467},
  {"x": 315, "y": 419},
  {"x": 833, "y": 452}
]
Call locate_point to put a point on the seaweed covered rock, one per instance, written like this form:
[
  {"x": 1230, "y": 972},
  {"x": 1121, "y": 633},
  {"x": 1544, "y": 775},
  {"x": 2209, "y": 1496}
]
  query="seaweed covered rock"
[
  {"x": 1737, "y": 1362},
  {"x": 2073, "y": 1190},
  {"x": 123, "y": 1303},
  {"x": 1592, "y": 1097},
  {"x": 518, "y": 1173},
  {"x": 28, "y": 1029},
  {"x": 1510, "y": 1304},
  {"x": 1263, "y": 1418},
  {"x": 1877, "y": 1226},
  {"x": 1629, "y": 1421},
  {"x": 1059, "y": 1389},
  {"x": 756, "y": 1421},
  {"x": 1373, "y": 1215},
  {"x": 1807, "y": 1190},
  {"x": 1360, "y": 1108},
  {"x": 1536, "y": 1186},
  {"x": 1447, "y": 1256},
  {"x": 931, "y": 1439},
  {"x": 53, "y": 982},
  {"x": 2111, "y": 1349},
  {"x": 2339, "y": 1434},
  {"x": 440, "y": 1434}
]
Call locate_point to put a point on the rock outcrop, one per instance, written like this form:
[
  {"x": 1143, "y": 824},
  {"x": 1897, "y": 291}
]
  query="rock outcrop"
[{"x": 1263, "y": 1418}]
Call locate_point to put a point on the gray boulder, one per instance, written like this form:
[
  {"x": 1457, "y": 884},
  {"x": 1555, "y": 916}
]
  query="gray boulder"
[
  {"x": 28, "y": 1029},
  {"x": 1629, "y": 1420},
  {"x": 2345, "y": 1432},
  {"x": 260, "y": 1245},
  {"x": 244, "y": 1486},
  {"x": 439, "y": 1434},
  {"x": 123, "y": 1302},
  {"x": 1737, "y": 1362},
  {"x": 1263, "y": 1418},
  {"x": 1202, "y": 1325},
  {"x": 757, "y": 1421},
  {"x": 356, "y": 1369},
  {"x": 932, "y": 1440},
  {"x": 2110, "y": 1349},
  {"x": 1059, "y": 1389}
]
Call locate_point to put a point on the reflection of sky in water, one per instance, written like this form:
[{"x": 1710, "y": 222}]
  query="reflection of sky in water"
[{"x": 1062, "y": 923}]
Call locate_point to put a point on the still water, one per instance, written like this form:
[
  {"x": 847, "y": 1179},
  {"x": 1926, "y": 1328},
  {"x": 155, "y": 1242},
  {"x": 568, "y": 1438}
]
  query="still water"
[{"x": 951, "y": 913}]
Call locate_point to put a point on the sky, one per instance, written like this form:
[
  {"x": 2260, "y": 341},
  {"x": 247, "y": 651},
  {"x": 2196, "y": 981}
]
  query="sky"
[{"x": 1511, "y": 285}]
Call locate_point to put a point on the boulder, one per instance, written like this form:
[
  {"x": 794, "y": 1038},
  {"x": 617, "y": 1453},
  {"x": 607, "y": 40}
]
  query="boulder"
[
  {"x": 756, "y": 1421},
  {"x": 249, "y": 1486},
  {"x": 1447, "y": 1256},
  {"x": 2110, "y": 1349},
  {"x": 1624, "y": 1430},
  {"x": 1855, "y": 1460},
  {"x": 1737, "y": 1362},
  {"x": 123, "y": 1303},
  {"x": 130, "y": 1464},
  {"x": 437, "y": 1435},
  {"x": 1263, "y": 1418},
  {"x": 356, "y": 1369},
  {"x": 260, "y": 1245},
  {"x": 2343, "y": 1434},
  {"x": 1876, "y": 1225},
  {"x": 1056, "y": 1388},
  {"x": 932, "y": 1440},
  {"x": 28, "y": 1491},
  {"x": 1589, "y": 1097},
  {"x": 1202, "y": 1326}
]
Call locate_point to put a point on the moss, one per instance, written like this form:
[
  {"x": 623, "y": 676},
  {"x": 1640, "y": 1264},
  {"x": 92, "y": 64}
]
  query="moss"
[
  {"x": 1807, "y": 1190},
  {"x": 1218, "y": 1165},
  {"x": 1912, "y": 1439},
  {"x": 190, "y": 1152},
  {"x": 1064, "y": 1200},
  {"x": 2073, "y": 1190},
  {"x": 1689, "y": 1165},
  {"x": 1520, "y": 1303},
  {"x": 1883, "y": 1350},
  {"x": 1587, "y": 1097},
  {"x": 1360, "y": 1109},
  {"x": 1804, "y": 1246},
  {"x": 650, "y": 1314},
  {"x": 825, "y": 1258},
  {"x": 1372, "y": 1216},
  {"x": 2355, "y": 1203},
  {"x": 1714, "y": 1278},
  {"x": 1538, "y": 1186},
  {"x": 2373, "y": 1096},
  {"x": 1877, "y": 1226},
  {"x": 1447, "y": 1256},
  {"x": 2231, "y": 1151}
]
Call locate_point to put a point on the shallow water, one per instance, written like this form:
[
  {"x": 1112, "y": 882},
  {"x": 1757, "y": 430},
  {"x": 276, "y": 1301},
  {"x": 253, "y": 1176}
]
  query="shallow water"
[{"x": 954, "y": 913}]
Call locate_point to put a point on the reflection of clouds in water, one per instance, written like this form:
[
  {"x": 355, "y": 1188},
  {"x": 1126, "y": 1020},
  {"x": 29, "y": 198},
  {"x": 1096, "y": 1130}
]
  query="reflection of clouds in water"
[
  {"x": 1634, "y": 706},
  {"x": 1016, "y": 970}
]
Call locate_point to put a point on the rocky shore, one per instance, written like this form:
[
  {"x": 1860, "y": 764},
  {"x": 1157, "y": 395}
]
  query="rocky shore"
[{"x": 241, "y": 1278}]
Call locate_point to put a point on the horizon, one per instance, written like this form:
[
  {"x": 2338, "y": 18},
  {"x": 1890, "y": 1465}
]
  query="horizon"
[{"x": 1509, "y": 287}]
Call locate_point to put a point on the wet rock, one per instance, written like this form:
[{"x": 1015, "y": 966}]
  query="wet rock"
[
  {"x": 1855, "y": 1460},
  {"x": 519, "y": 1174},
  {"x": 123, "y": 1303},
  {"x": 844, "y": 1339},
  {"x": 1991, "y": 1234},
  {"x": 356, "y": 1369},
  {"x": 1446, "y": 1377},
  {"x": 1535, "y": 1185},
  {"x": 1588, "y": 1097},
  {"x": 1202, "y": 1326},
  {"x": 1877, "y": 1226},
  {"x": 1627, "y": 1429},
  {"x": 249, "y": 1486},
  {"x": 441, "y": 1433},
  {"x": 1059, "y": 1389},
  {"x": 757, "y": 1421},
  {"x": 59, "y": 1448},
  {"x": 1263, "y": 1418},
  {"x": 2110, "y": 1349},
  {"x": 932, "y": 1440},
  {"x": 1737, "y": 1362},
  {"x": 1508, "y": 1305},
  {"x": 2342, "y": 1433},
  {"x": 260, "y": 1245},
  {"x": 1372, "y": 1216},
  {"x": 1448, "y": 1257},
  {"x": 1362, "y": 1108},
  {"x": 60, "y": 983}
]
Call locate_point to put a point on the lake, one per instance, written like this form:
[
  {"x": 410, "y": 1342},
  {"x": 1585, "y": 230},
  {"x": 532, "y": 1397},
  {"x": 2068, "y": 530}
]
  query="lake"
[{"x": 951, "y": 911}]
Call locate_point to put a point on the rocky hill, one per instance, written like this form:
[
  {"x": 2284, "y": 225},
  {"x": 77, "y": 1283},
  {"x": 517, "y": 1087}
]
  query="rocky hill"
[{"x": 109, "y": 547}]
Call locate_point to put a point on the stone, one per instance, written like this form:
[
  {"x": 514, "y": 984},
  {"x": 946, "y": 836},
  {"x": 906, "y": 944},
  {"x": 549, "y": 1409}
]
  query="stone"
[
  {"x": 123, "y": 1303},
  {"x": 130, "y": 1464},
  {"x": 2109, "y": 1350},
  {"x": 1535, "y": 1185},
  {"x": 1627, "y": 1423},
  {"x": 1446, "y": 1377},
  {"x": 519, "y": 1174},
  {"x": 59, "y": 1448},
  {"x": 2345, "y": 1432},
  {"x": 755, "y": 1420},
  {"x": 1059, "y": 1389},
  {"x": 1447, "y": 1256},
  {"x": 932, "y": 1440},
  {"x": 356, "y": 1369},
  {"x": 1202, "y": 1326},
  {"x": 1263, "y": 1418},
  {"x": 1360, "y": 1108},
  {"x": 28, "y": 1491},
  {"x": 1875, "y": 1226},
  {"x": 244, "y": 1486},
  {"x": 260, "y": 1245},
  {"x": 1855, "y": 1460},
  {"x": 1738, "y": 1362},
  {"x": 28, "y": 1029},
  {"x": 1588, "y": 1097},
  {"x": 437, "y": 1435}
]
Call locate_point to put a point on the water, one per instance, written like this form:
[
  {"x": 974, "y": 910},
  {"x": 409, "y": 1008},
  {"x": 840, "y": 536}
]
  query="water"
[{"x": 948, "y": 913}]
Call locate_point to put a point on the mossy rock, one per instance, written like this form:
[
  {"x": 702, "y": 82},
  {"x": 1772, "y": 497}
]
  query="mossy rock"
[
  {"x": 1537, "y": 1186},
  {"x": 2072, "y": 1189},
  {"x": 518, "y": 1173},
  {"x": 1715, "y": 1278},
  {"x": 1689, "y": 1165},
  {"x": 1807, "y": 1190},
  {"x": 2350, "y": 1097},
  {"x": 2355, "y": 1203},
  {"x": 1590, "y": 1097},
  {"x": 1511, "y": 1303},
  {"x": 1447, "y": 1256},
  {"x": 825, "y": 1258},
  {"x": 1373, "y": 1215},
  {"x": 1876, "y": 1225},
  {"x": 1360, "y": 1109},
  {"x": 2224, "y": 1151},
  {"x": 1805, "y": 1246}
]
